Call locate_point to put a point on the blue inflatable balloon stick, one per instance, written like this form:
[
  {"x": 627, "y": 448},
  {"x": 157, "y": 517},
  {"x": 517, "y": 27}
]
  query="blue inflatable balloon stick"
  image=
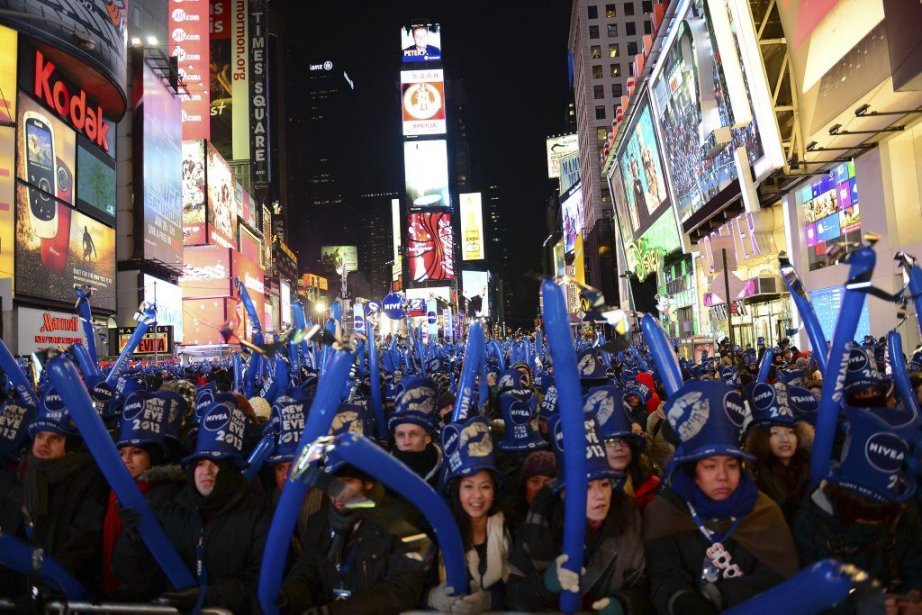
[
  {"x": 861, "y": 266},
  {"x": 86, "y": 316},
  {"x": 17, "y": 377},
  {"x": 85, "y": 363},
  {"x": 63, "y": 376},
  {"x": 812, "y": 590},
  {"x": 238, "y": 371},
  {"x": 900, "y": 375},
  {"x": 17, "y": 555},
  {"x": 663, "y": 355},
  {"x": 469, "y": 368},
  {"x": 147, "y": 318},
  {"x": 326, "y": 401},
  {"x": 262, "y": 451},
  {"x": 570, "y": 402},
  {"x": 766, "y": 366},
  {"x": 377, "y": 404},
  {"x": 806, "y": 311}
]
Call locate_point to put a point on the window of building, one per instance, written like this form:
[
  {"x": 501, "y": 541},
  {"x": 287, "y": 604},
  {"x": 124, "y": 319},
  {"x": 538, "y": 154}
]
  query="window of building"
[
  {"x": 612, "y": 30},
  {"x": 630, "y": 28},
  {"x": 631, "y": 50},
  {"x": 629, "y": 8},
  {"x": 600, "y": 112},
  {"x": 630, "y": 69},
  {"x": 598, "y": 92},
  {"x": 616, "y": 90},
  {"x": 611, "y": 11},
  {"x": 597, "y": 71},
  {"x": 646, "y": 6},
  {"x": 593, "y": 31},
  {"x": 601, "y": 134},
  {"x": 647, "y": 27},
  {"x": 596, "y": 52},
  {"x": 615, "y": 70},
  {"x": 613, "y": 50},
  {"x": 593, "y": 12}
]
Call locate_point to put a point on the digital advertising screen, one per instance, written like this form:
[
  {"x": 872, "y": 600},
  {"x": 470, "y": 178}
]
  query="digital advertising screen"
[
  {"x": 246, "y": 206},
  {"x": 831, "y": 213},
  {"x": 189, "y": 44},
  {"x": 827, "y": 303},
  {"x": 429, "y": 246},
  {"x": 424, "y": 294},
  {"x": 46, "y": 160},
  {"x": 642, "y": 172},
  {"x": 421, "y": 43},
  {"x": 222, "y": 200},
  {"x": 338, "y": 255},
  {"x": 477, "y": 284},
  {"x": 472, "y": 242},
  {"x": 193, "y": 193},
  {"x": 250, "y": 245},
  {"x": 425, "y": 165},
  {"x": 572, "y": 213},
  {"x": 7, "y": 196},
  {"x": 285, "y": 298},
  {"x": 423, "y": 102},
  {"x": 57, "y": 253},
  {"x": 559, "y": 148},
  {"x": 95, "y": 182},
  {"x": 206, "y": 272},
  {"x": 168, "y": 298},
  {"x": 695, "y": 119},
  {"x": 162, "y": 185},
  {"x": 204, "y": 318},
  {"x": 250, "y": 274}
]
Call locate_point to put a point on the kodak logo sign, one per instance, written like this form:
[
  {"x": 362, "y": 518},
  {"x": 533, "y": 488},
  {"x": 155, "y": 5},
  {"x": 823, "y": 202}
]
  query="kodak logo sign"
[{"x": 71, "y": 107}]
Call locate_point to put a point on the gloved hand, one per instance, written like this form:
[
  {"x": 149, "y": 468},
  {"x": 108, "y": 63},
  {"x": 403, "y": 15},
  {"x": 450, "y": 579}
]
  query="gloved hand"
[
  {"x": 441, "y": 599},
  {"x": 131, "y": 521},
  {"x": 472, "y": 604},
  {"x": 180, "y": 599},
  {"x": 608, "y": 606},
  {"x": 558, "y": 579}
]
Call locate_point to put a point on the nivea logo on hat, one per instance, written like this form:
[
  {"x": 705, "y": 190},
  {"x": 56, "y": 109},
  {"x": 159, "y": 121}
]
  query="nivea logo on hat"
[
  {"x": 689, "y": 413},
  {"x": 736, "y": 411},
  {"x": 450, "y": 438},
  {"x": 885, "y": 452},
  {"x": 53, "y": 400},
  {"x": 857, "y": 360},
  {"x": 102, "y": 394},
  {"x": 763, "y": 395},
  {"x": 217, "y": 418},
  {"x": 203, "y": 401},
  {"x": 133, "y": 407},
  {"x": 519, "y": 411}
]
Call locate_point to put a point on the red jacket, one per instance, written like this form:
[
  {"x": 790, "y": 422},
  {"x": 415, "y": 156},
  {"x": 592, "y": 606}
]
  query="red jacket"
[{"x": 646, "y": 378}]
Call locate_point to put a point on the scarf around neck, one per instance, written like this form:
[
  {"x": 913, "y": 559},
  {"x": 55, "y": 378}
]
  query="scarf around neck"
[
  {"x": 41, "y": 474},
  {"x": 738, "y": 505}
]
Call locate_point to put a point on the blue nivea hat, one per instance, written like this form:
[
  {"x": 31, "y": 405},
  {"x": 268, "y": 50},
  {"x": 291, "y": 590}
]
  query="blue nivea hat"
[
  {"x": 730, "y": 375},
  {"x": 629, "y": 375},
  {"x": 204, "y": 398},
  {"x": 145, "y": 420},
  {"x": 606, "y": 404},
  {"x": 222, "y": 432},
  {"x": 915, "y": 363},
  {"x": 287, "y": 419},
  {"x": 15, "y": 418},
  {"x": 437, "y": 365},
  {"x": 770, "y": 404},
  {"x": 639, "y": 389},
  {"x": 468, "y": 448},
  {"x": 549, "y": 402},
  {"x": 416, "y": 404},
  {"x": 125, "y": 387},
  {"x": 597, "y": 465},
  {"x": 804, "y": 404},
  {"x": 873, "y": 462},
  {"x": 708, "y": 418},
  {"x": 511, "y": 379},
  {"x": 545, "y": 382},
  {"x": 862, "y": 372},
  {"x": 520, "y": 415},
  {"x": 793, "y": 377},
  {"x": 52, "y": 416},
  {"x": 103, "y": 396},
  {"x": 352, "y": 418},
  {"x": 590, "y": 365}
]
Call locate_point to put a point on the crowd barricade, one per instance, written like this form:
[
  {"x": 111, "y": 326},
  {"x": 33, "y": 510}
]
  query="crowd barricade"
[{"x": 57, "y": 607}]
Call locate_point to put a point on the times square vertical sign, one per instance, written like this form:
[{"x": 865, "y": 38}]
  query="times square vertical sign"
[{"x": 259, "y": 91}]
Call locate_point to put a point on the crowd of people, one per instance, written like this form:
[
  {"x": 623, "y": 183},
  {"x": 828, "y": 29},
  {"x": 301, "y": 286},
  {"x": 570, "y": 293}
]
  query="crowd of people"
[{"x": 695, "y": 502}]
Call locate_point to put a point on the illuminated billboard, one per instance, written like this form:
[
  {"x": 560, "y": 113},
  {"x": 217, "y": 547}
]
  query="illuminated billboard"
[
  {"x": 7, "y": 195},
  {"x": 168, "y": 298},
  {"x": 250, "y": 246},
  {"x": 831, "y": 215},
  {"x": 472, "y": 248},
  {"x": 423, "y": 102},
  {"x": 222, "y": 200},
  {"x": 206, "y": 272},
  {"x": 421, "y": 43},
  {"x": 67, "y": 249},
  {"x": 161, "y": 188},
  {"x": 438, "y": 292},
  {"x": 559, "y": 148},
  {"x": 204, "y": 318},
  {"x": 429, "y": 246},
  {"x": 188, "y": 31},
  {"x": 339, "y": 255},
  {"x": 477, "y": 284},
  {"x": 285, "y": 297},
  {"x": 572, "y": 212},
  {"x": 397, "y": 265},
  {"x": 642, "y": 172},
  {"x": 47, "y": 148},
  {"x": 425, "y": 165},
  {"x": 193, "y": 193}
]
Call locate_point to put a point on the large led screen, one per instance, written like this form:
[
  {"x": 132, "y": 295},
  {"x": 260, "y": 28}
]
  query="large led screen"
[
  {"x": 429, "y": 246},
  {"x": 572, "y": 212},
  {"x": 423, "y": 102},
  {"x": 58, "y": 252},
  {"x": 339, "y": 255},
  {"x": 831, "y": 214},
  {"x": 696, "y": 121},
  {"x": 477, "y": 284},
  {"x": 421, "y": 43},
  {"x": 425, "y": 166},
  {"x": 222, "y": 200},
  {"x": 7, "y": 198},
  {"x": 46, "y": 157},
  {"x": 472, "y": 248},
  {"x": 188, "y": 30},
  {"x": 206, "y": 272},
  {"x": 193, "y": 193},
  {"x": 642, "y": 173},
  {"x": 827, "y": 303},
  {"x": 168, "y": 298},
  {"x": 162, "y": 185},
  {"x": 203, "y": 320}
]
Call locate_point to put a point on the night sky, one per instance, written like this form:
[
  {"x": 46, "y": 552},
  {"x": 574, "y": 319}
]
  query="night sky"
[{"x": 511, "y": 56}]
